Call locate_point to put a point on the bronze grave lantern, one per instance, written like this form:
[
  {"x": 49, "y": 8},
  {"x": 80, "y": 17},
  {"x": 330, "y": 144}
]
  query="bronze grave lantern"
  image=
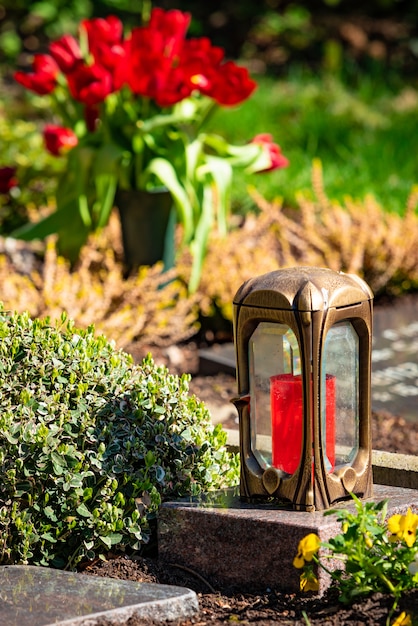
[{"x": 303, "y": 340}]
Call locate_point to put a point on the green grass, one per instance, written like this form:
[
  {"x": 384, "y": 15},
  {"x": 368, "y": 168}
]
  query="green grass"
[{"x": 364, "y": 136}]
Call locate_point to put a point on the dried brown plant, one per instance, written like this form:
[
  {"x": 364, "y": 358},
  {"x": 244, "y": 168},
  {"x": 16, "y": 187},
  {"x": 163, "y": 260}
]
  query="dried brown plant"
[
  {"x": 151, "y": 308},
  {"x": 154, "y": 309},
  {"x": 356, "y": 236}
]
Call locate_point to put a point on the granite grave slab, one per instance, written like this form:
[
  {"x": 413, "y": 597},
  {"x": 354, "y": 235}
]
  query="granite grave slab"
[
  {"x": 251, "y": 547},
  {"x": 41, "y": 596}
]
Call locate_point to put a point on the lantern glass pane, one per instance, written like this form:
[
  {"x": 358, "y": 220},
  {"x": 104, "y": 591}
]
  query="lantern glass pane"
[
  {"x": 340, "y": 395},
  {"x": 275, "y": 396}
]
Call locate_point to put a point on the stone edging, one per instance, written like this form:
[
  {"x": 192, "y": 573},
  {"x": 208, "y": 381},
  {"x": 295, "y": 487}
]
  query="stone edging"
[{"x": 396, "y": 470}]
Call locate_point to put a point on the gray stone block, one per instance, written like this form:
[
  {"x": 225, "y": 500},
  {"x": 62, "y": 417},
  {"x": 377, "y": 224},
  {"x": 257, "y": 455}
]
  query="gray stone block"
[
  {"x": 249, "y": 547},
  {"x": 398, "y": 470},
  {"x": 40, "y": 596}
]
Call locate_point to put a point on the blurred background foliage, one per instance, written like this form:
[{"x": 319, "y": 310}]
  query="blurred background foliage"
[
  {"x": 269, "y": 33},
  {"x": 337, "y": 81},
  {"x": 337, "y": 85}
]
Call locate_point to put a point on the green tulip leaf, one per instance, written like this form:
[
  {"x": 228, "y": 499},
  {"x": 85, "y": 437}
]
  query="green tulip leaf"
[
  {"x": 193, "y": 153},
  {"x": 221, "y": 172},
  {"x": 106, "y": 185},
  {"x": 166, "y": 173},
  {"x": 107, "y": 160},
  {"x": 45, "y": 227},
  {"x": 199, "y": 243}
]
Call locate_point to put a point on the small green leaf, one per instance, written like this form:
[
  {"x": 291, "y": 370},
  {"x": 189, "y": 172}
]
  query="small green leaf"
[
  {"x": 83, "y": 510},
  {"x": 115, "y": 538},
  {"x": 49, "y": 537},
  {"x": 166, "y": 173},
  {"x": 50, "y": 513}
]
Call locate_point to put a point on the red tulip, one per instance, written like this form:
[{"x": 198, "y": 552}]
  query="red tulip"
[
  {"x": 154, "y": 69},
  {"x": 67, "y": 53},
  {"x": 105, "y": 41},
  {"x": 147, "y": 69},
  {"x": 112, "y": 59},
  {"x": 106, "y": 30},
  {"x": 108, "y": 56},
  {"x": 228, "y": 84},
  {"x": 90, "y": 84},
  {"x": 152, "y": 74},
  {"x": 164, "y": 66},
  {"x": 45, "y": 63},
  {"x": 273, "y": 151},
  {"x": 172, "y": 27},
  {"x": 175, "y": 87},
  {"x": 199, "y": 61},
  {"x": 43, "y": 79},
  {"x": 58, "y": 139},
  {"x": 200, "y": 51},
  {"x": 7, "y": 179},
  {"x": 120, "y": 68}
]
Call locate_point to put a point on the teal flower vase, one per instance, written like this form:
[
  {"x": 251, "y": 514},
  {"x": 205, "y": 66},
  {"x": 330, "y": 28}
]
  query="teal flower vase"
[{"x": 148, "y": 221}]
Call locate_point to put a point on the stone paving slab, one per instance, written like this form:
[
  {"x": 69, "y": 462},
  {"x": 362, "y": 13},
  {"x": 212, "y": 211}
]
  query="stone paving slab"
[
  {"x": 40, "y": 596},
  {"x": 395, "y": 358},
  {"x": 251, "y": 547}
]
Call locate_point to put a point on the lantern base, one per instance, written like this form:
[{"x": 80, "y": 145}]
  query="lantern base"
[{"x": 235, "y": 544}]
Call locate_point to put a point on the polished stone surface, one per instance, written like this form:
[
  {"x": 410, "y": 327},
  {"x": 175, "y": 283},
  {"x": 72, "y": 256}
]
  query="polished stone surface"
[
  {"x": 395, "y": 358},
  {"x": 251, "y": 547},
  {"x": 38, "y": 596}
]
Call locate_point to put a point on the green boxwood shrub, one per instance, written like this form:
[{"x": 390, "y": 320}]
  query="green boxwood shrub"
[{"x": 90, "y": 444}]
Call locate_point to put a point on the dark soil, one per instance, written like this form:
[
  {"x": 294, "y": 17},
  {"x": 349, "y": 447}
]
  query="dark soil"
[
  {"x": 223, "y": 606},
  {"x": 265, "y": 607}
]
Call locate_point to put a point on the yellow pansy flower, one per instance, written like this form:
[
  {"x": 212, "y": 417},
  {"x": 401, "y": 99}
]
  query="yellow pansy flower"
[
  {"x": 308, "y": 546},
  {"x": 404, "y": 527},
  {"x": 403, "y": 620}
]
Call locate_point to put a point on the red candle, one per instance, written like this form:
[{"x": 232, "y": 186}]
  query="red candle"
[{"x": 286, "y": 421}]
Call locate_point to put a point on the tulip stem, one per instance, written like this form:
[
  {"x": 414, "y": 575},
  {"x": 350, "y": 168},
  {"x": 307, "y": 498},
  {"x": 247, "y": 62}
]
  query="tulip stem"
[{"x": 145, "y": 11}]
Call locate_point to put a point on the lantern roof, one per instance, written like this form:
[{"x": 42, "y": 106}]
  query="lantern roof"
[{"x": 303, "y": 289}]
